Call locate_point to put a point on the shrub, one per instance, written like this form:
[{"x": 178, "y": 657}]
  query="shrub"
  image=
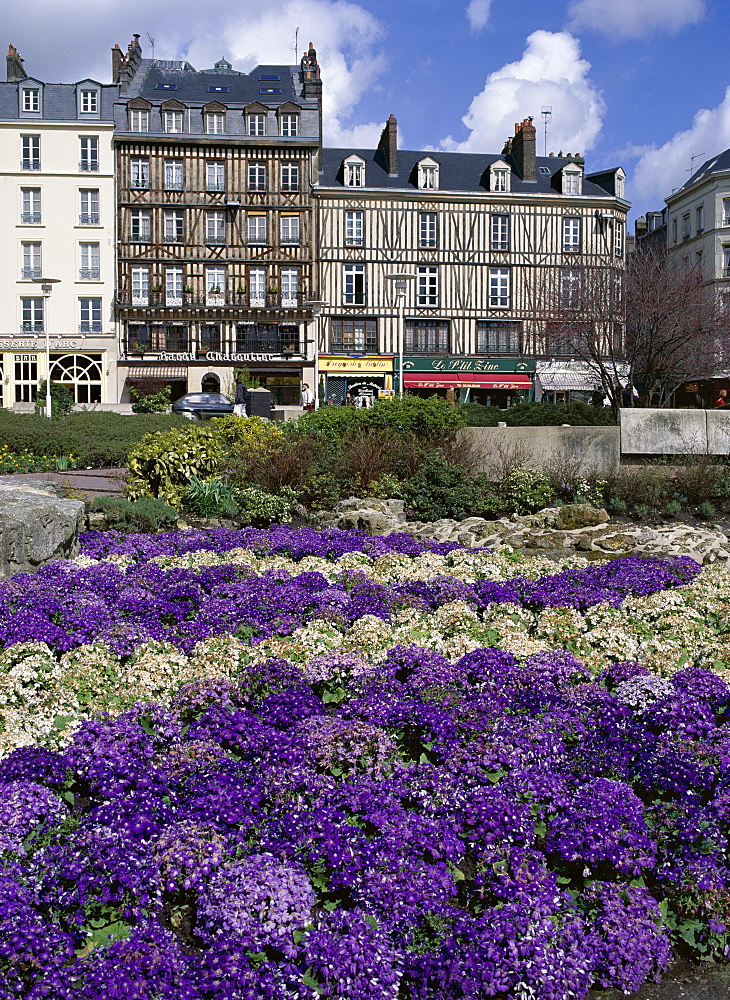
[
  {"x": 428, "y": 420},
  {"x": 537, "y": 415},
  {"x": 209, "y": 498},
  {"x": 62, "y": 399},
  {"x": 526, "y": 490},
  {"x": 163, "y": 463},
  {"x": 645, "y": 485},
  {"x": 261, "y": 509},
  {"x": 144, "y": 515},
  {"x": 441, "y": 490},
  {"x": 142, "y": 402}
]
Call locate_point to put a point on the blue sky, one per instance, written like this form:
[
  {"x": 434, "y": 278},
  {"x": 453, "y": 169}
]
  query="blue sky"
[{"x": 641, "y": 83}]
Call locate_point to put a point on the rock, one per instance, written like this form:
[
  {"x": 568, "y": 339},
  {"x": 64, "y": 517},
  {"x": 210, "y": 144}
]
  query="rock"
[
  {"x": 620, "y": 542},
  {"x": 579, "y": 515},
  {"x": 36, "y": 525}
]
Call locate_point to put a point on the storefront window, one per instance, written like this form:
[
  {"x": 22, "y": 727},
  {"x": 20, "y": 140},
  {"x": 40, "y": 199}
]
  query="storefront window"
[{"x": 82, "y": 373}]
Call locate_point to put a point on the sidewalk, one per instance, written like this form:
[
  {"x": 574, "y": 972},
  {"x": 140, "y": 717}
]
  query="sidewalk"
[{"x": 86, "y": 483}]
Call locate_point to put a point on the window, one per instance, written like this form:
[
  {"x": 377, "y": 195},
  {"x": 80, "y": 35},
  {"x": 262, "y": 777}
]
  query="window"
[
  {"x": 89, "y": 315},
  {"x": 700, "y": 219},
  {"x": 89, "y": 261},
  {"x": 288, "y": 124},
  {"x": 289, "y": 286},
  {"x": 428, "y": 230},
  {"x": 219, "y": 90},
  {"x": 685, "y": 227},
  {"x": 89, "y": 207},
  {"x": 256, "y": 228},
  {"x": 32, "y": 260},
  {"x": 618, "y": 239},
  {"x": 177, "y": 337},
  {"x": 499, "y": 236},
  {"x": 290, "y": 230},
  {"x": 210, "y": 337},
  {"x": 674, "y": 230},
  {"x": 428, "y": 175},
  {"x": 172, "y": 121},
  {"x": 257, "y": 176},
  {"x": 31, "y": 145},
  {"x": 139, "y": 173},
  {"x": 31, "y": 99},
  {"x": 215, "y": 281},
  {"x": 354, "y": 173},
  {"x": 138, "y": 336},
  {"x": 290, "y": 177},
  {"x": 215, "y": 227},
  {"x": 495, "y": 337},
  {"x": 572, "y": 181},
  {"x": 620, "y": 185},
  {"x": 215, "y": 172},
  {"x": 726, "y": 211},
  {"x": 257, "y": 285},
  {"x": 570, "y": 287},
  {"x": 174, "y": 226},
  {"x": 139, "y": 120},
  {"x": 139, "y": 225},
  {"x": 174, "y": 286},
  {"x": 353, "y": 229},
  {"x": 571, "y": 235},
  {"x": 89, "y": 146},
  {"x": 427, "y": 286},
  {"x": 499, "y": 287},
  {"x": 355, "y": 336},
  {"x": 427, "y": 336},
  {"x": 256, "y": 124},
  {"x": 726, "y": 262},
  {"x": 215, "y": 123},
  {"x": 354, "y": 284},
  {"x": 500, "y": 179},
  {"x": 564, "y": 338},
  {"x": 173, "y": 175},
  {"x": 32, "y": 315},
  {"x": 26, "y": 377},
  {"x": 30, "y": 214},
  {"x": 89, "y": 102}
]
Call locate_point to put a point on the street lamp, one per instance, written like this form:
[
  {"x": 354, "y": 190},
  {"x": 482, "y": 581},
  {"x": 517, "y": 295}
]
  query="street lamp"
[
  {"x": 400, "y": 280},
  {"x": 47, "y": 287},
  {"x": 316, "y": 305}
]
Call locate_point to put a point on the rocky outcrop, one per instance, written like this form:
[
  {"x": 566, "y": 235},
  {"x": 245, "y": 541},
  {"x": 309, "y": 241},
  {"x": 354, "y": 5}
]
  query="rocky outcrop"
[
  {"x": 554, "y": 531},
  {"x": 36, "y": 525}
]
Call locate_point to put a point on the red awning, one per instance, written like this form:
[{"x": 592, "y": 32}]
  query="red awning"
[{"x": 466, "y": 380}]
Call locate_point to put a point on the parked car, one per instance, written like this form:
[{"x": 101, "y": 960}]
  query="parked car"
[{"x": 202, "y": 405}]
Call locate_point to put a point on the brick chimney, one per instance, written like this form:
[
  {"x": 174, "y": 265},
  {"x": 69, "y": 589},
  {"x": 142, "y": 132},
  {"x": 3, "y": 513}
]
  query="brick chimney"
[
  {"x": 15, "y": 66},
  {"x": 117, "y": 61},
  {"x": 124, "y": 67},
  {"x": 388, "y": 144},
  {"x": 312, "y": 91},
  {"x": 524, "y": 149}
]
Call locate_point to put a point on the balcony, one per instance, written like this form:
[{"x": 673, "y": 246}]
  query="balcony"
[
  {"x": 32, "y": 272},
  {"x": 139, "y": 238},
  {"x": 171, "y": 299},
  {"x": 173, "y": 185},
  {"x": 726, "y": 272},
  {"x": 726, "y": 221},
  {"x": 89, "y": 219},
  {"x": 30, "y": 164},
  {"x": 30, "y": 218},
  {"x": 93, "y": 327},
  {"x": 215, "y": 298},
  {"x": 215, "y": 239},
  {"x": 89, "y": 274},
  {"x": 289, "y": 241},
  {"x": 283, "y": 344},
  {"x": 259, "y": 241},
  {"x": 89, "y": 166},
  {"x": 31, "y": 327},
  {"x": 173, "y": 238},
  {"x": 140, "y": 298},
  {"x": 215, "y": 186}
]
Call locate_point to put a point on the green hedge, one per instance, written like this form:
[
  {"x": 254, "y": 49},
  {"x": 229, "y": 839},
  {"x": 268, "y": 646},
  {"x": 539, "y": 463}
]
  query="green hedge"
[
  {"x": 96, "y": 439},
  {"x": 537, "y": 415},
  {"x": 428, "y": 420}
]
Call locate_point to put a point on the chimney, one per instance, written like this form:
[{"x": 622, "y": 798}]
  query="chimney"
[
  {"x": 524, "y": 149},
  {"x": 117, "y": 60},
  {"x": 15, "y": 66},
  {"x": 124, "y": 67},
  {"x": 312, "y": 91},
  {"x": 388, "y": 143},
  {"x": 507, "y": 147}
]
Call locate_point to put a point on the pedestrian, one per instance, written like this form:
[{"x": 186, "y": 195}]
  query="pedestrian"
[
  {"x": 597, "y": 397},
  {"x": 721, "y": 398},
  {"x": 242, "y": 400},
  {"x": 307, "y": 397}
]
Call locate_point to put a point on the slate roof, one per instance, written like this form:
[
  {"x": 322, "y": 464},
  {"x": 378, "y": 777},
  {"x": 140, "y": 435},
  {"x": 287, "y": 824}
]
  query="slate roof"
[
  {"x": 192, "y": 86},
  {"x": 59, "y": 102},
  {"x": 457, "y": 171},
  {"x": 712, "y": 166}
]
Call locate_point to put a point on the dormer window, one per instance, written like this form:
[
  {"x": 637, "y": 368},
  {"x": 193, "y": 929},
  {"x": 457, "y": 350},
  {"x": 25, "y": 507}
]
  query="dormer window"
[
  {"x": 289, "y": 125},
  {"x": 256, "y": 124},
  {"x": 354, "y": 172},
  {"x": 173, "y": 116},
  {"x": 215, "y": 123},
  {"x": 499, "y": 176},
  {"x": 428, "y": 175},
  {"x": 89, "y": 102},
  {"x": 572, "y": 179},
  {"x": 31, "y": 99},
  {"x": 139, "y": 120},
  {"x": 620, "y": 178}
]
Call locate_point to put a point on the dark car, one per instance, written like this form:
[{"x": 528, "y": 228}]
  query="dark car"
[{"x": 202, "y": 405}]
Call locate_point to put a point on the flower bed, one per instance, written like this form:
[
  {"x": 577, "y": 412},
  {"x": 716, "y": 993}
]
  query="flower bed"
[{"x": 387, "y": 786}]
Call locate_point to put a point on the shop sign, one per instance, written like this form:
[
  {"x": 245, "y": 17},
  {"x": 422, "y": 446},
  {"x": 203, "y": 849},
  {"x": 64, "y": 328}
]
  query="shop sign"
[
  {"x": 231, "y": 358},
  {"x": 467, "y": 364},
  {"x": 354, "y": 366},
  {"x": 184, "y": 356},
  {"x": 13, "y": 344}
]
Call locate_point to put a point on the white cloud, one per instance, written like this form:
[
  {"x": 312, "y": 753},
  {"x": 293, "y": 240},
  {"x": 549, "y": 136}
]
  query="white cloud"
[
  {"x": 550, "y": 73},
  {"x": 635, "y": 18},
  {"x": 660, "y": 169},
  {"x": 478, "y": 13},
  {"x": 77, "y": 37}
]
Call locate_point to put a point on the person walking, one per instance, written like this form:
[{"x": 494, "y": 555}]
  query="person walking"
[
  {"x": 307, "y": 397},
  {"x": 241, "y": 400},
  {"x": 721, "y": 399}
]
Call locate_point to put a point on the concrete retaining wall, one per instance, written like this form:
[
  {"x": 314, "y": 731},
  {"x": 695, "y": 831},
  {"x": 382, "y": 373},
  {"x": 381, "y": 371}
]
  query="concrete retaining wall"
[
  {"x": 592, "y": 448},
  {"x": 674, "y": 432}
]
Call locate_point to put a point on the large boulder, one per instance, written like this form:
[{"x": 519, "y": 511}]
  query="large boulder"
[
  {"x": 36, "y": 525},
  {"x": 579, "y": 515}
]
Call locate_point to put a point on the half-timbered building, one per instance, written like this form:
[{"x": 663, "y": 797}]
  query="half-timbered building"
[
  {"x": 465, "y": 263},
  {"x": 214, "y": 228}
]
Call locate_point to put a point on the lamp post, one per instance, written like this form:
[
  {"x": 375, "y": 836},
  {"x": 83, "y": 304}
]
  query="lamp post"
[
  {"x": 400, "y": 280},
  {"x": 47, "y": 287},
  {"x": 316, "y": 305}
]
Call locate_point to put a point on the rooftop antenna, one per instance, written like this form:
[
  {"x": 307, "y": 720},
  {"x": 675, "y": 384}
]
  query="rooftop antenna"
[
  {"x": 151, "y": 40},
  {"x": 296, "y": 46},
  {"x": 547, "y": 113},
  {"x": 692, "y": 162}
]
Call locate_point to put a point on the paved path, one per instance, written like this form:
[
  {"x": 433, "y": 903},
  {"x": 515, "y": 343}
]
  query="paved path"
[
  {"x": 86, "y": 483},
  {"x": 681, "y": 982}
]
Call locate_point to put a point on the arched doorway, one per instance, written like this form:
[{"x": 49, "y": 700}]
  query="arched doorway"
[
  {"x": 80, "y": 372},
  {"x": 210, "y": 383}
]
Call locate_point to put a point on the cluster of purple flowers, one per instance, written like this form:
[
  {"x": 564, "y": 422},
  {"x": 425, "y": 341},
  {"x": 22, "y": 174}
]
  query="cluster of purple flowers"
[
  {"x": 442, "y": 831},
  {"x": 67, "y": 606}
]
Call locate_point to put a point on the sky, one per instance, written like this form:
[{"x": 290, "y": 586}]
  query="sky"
[{"x": 644, "y": 84}]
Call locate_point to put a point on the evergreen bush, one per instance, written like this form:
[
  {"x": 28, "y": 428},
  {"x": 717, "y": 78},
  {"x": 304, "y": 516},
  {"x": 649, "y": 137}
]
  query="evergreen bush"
[{"x": 144, "y": 515}]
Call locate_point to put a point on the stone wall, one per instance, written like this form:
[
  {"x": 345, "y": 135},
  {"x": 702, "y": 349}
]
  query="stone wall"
[
  {"x": 36, "y": 525},
  {"x": 592, "y": 448}
]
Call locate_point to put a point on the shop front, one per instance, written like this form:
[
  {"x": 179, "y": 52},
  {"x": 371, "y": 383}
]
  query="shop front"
[
  {"x": 24, "y": 364},
  {"x": 356, "y": 380},
  {"x": 498, "y": 382}
]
